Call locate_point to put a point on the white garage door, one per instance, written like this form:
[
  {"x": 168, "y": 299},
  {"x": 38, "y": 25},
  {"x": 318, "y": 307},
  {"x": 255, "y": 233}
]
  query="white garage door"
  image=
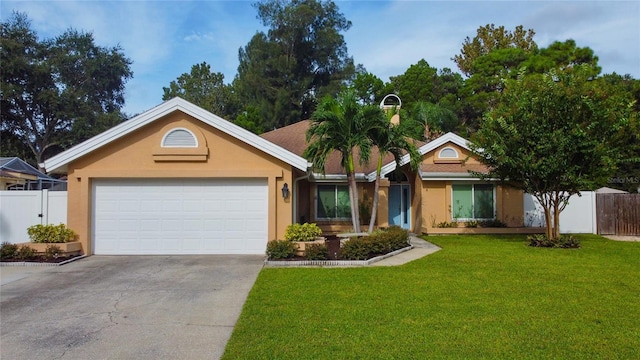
[{"x": 180, "y": 216}]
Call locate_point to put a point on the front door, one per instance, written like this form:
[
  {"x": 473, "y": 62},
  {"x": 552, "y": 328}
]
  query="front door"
[{"x": 399, "y": 205}]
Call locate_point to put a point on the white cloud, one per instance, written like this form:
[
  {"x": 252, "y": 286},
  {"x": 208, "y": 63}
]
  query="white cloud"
[{"x": 165, "y": 38}]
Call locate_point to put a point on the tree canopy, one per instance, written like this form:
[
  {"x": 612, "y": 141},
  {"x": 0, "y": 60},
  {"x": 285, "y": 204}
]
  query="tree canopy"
[
  {"x": 58, "y": 92},
  {"x": 204, "y": 88},
  {"x": 301, "y": 58},
  {"x": 490, "y": 38},
  {"x": 554, "y": 135}
]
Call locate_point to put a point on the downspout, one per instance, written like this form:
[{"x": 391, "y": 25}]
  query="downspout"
[{"x": 295, "y": 195}]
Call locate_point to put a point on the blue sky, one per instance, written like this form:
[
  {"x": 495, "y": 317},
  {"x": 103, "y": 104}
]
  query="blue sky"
[{"x": 165, "y": 38}]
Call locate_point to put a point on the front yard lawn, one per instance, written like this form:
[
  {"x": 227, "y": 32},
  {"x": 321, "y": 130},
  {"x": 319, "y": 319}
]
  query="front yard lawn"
[{"x": 489, "y": 297}]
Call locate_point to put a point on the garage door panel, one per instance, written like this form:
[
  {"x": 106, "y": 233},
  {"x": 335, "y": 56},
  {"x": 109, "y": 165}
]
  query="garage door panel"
[{"x": 177, "y": 216}]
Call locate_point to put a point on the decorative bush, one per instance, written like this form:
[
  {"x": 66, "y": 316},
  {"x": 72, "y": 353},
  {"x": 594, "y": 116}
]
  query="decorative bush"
[
  {"x": 316, "y": 252},
  {"x": 25, "y": 252},
  {"x": 8, "y": 250},
  {"x": 392, "y": 239},
  {"x": 564, "y": 242},
  {"x": 378, "y": 243},
  {"x": 50, "y": 234},
  {"x": 52, "y": 252},
  {"x": 302, "y": 232},
  {"x": 355, "y": 249},
  {"x": 280, "y": 249}
]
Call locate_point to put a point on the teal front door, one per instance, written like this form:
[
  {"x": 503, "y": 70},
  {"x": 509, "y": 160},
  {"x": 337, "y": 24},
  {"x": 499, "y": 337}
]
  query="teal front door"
[{"x": 399, "y": 205}]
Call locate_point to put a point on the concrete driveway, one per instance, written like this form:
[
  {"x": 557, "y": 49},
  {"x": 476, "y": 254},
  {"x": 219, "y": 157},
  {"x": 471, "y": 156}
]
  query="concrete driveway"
[{"x": 126, "y": 307}]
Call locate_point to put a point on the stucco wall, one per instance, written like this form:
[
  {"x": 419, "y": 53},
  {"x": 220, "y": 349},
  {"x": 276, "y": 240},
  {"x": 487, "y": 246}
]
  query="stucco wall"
[
  {"x": 137, "y": 155},
  {"x": 437, "y": 194},
  {"x": 436, "y": 204}
]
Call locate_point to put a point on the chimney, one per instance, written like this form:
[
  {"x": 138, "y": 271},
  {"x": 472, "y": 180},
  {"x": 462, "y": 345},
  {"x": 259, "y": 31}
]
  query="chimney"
[{"x": 391, "y": 104}]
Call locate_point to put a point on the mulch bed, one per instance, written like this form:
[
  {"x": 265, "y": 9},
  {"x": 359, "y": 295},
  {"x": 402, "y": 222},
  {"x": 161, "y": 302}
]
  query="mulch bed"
[{"x": 42, "y": 259}]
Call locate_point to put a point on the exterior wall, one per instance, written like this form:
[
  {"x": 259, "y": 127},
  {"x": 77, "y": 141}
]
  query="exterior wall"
[
  {"x": 510, "y": 206},
  {"x": 436, "y": 196},
  {"x": 138, "y": 155},
  {"x": 383, "y": 201},
  {"x": 436, "y": 205}
]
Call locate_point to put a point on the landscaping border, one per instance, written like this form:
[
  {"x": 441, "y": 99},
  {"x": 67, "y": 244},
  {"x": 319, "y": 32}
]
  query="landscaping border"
[
  {"x": 333, "y": 263},
  {"x": 31, "y": 263}
]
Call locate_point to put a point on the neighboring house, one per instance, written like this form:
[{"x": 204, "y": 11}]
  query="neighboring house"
[
  {"x": 16, "y": 174},
  {"x": 178, "y": 179}
]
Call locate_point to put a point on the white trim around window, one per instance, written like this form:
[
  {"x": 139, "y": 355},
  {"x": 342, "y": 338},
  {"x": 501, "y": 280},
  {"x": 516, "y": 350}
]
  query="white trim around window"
[
  {"x": 475, "y": 195},
  {"x": 448, "y": 153}
]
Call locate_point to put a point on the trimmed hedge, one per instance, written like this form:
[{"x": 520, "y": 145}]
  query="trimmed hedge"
[
  {"x": 281, "y": 249},
  {"x": 378, "y": 243}
]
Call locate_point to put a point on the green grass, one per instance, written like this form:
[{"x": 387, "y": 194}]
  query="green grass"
[{"x": 480, "y": 297}]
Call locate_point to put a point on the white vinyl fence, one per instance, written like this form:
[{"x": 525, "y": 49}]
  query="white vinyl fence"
[
  {"x": 21, "y": 209},
  {"x": 578, "y": 217}
]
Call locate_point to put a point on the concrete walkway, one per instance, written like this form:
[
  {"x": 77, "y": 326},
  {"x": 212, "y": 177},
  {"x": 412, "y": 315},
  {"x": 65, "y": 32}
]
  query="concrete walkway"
[{"x": 421, "y": 248}]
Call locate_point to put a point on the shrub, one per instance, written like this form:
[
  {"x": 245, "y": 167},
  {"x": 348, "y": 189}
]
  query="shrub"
[
  {"x": 355, "y": 249},
  {"x": 302, "y": 232},
  {"x": 495, "y": 223},
  {"x": 8, "y": 250},
  {"x": 392, "y": 239},
  {"x": 50, "y": 233},
  {"x": 52, "y": 252},
  {"x": 378, "y": 243},
  {"x": 564, "y": 242},
  {"x": 280, "y": 249},
  {"x": 316, "y": 252},
  {"x": 446, "y": 224},
  {"x": 25, "y": 252}
]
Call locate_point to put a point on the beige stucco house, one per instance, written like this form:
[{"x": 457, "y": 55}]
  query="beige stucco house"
[
  {"x": 440, "y": 194},
  {"x": 180, "y": 180}
]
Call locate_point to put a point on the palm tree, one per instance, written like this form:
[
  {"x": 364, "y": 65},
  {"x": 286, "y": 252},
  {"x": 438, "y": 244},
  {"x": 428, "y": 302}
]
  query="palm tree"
[
  {"x": 434, "y": 119},
  {"x": 343, "y": 125},
  {"x": 392, "y": 139}
]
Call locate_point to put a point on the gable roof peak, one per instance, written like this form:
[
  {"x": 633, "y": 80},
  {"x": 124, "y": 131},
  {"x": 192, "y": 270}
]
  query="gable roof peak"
[{"x": 60, "y": 161}]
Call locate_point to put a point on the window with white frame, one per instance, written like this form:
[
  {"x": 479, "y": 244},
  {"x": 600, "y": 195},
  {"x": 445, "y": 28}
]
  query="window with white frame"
[
  {"x": 473, "y": 202},
  {"x": 448, "y": 153},
  {"x": 333, "y": 202}
]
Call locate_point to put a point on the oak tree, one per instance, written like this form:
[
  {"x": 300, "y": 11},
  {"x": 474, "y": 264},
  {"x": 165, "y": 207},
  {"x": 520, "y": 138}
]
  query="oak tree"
[{"x": 58, "y": 92}]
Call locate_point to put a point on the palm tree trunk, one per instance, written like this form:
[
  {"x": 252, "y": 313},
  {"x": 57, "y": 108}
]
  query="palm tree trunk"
[
  {"x": 376, "y": 197},
  {"x": 353, "y": 194}
]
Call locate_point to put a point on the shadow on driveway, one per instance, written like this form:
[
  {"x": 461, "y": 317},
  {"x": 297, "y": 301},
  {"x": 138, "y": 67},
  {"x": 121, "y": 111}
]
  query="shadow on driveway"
[{"x": 127, "y": 307}]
